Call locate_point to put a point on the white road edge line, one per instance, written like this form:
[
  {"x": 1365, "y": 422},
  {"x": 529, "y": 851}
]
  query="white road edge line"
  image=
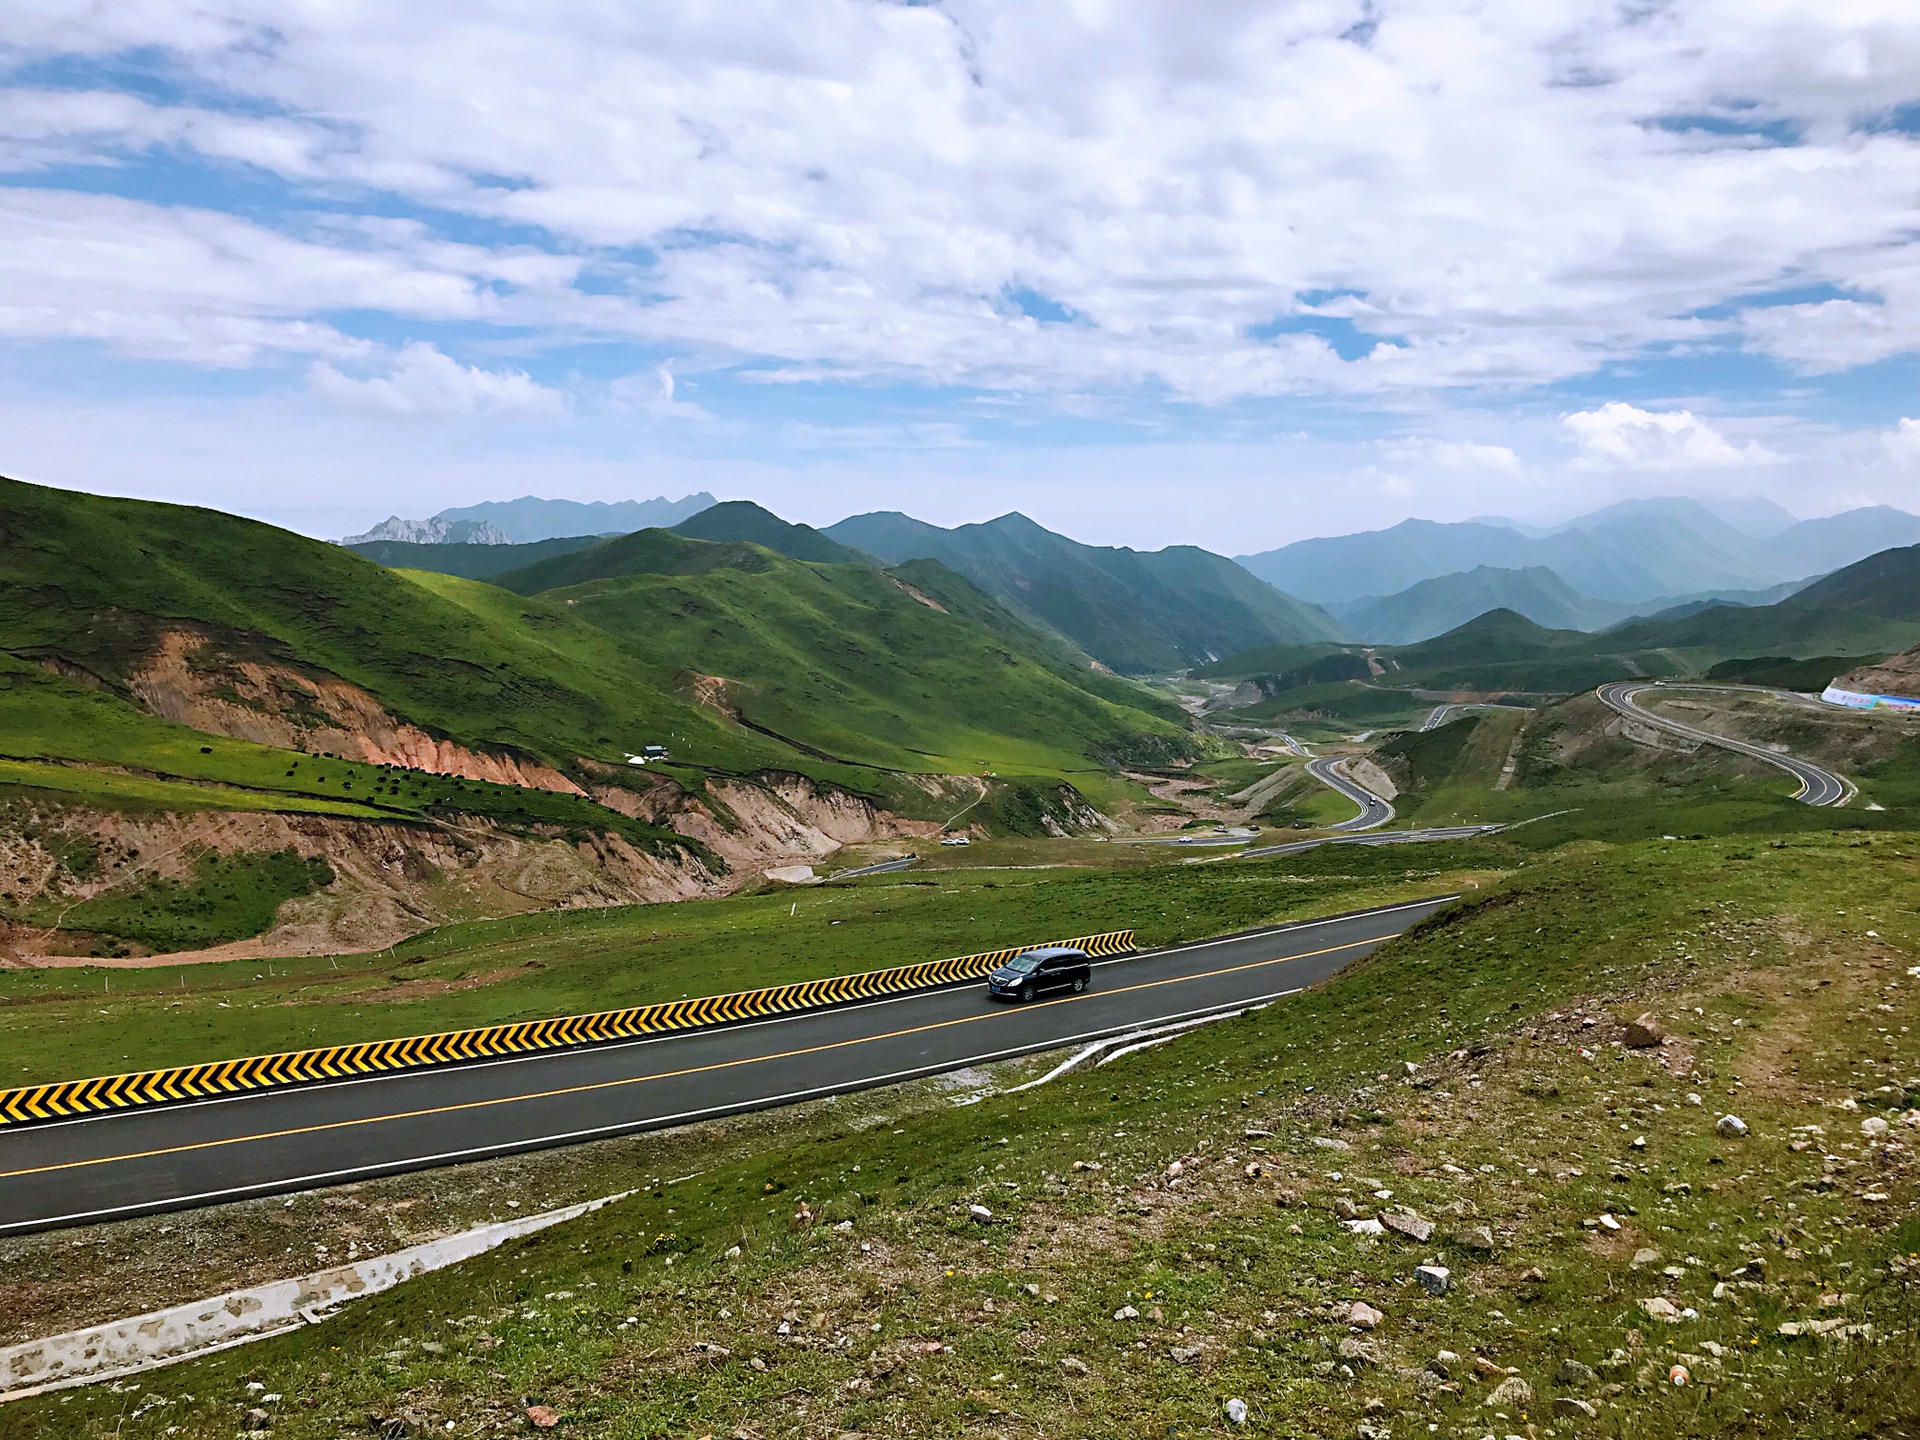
[
  {"x": 658, "y": 1122},
  {"x": 672, "y": 1035},
  {"x": 1171, "y": 1032}
]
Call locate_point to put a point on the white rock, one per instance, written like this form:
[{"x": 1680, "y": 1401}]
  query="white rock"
[
  {"x": 1873, "y": 1127},
  {"x": 1434, "y": 1279},
  {"x": 1126, "y": 1312},
  {"x": 1237, "y": 1411},
  {"x": 1730, "y": 1127},
  {"x": 1365, "y": 1227},
  {"x": 1693, "y": 1099},
  {"x": 979, "y": 1213},
  {"x": 1607, "y": 1222}
]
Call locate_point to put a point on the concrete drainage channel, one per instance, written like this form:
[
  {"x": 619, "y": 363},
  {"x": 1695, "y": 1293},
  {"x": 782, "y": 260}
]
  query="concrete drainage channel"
[{"x": 185, "y": 1332}]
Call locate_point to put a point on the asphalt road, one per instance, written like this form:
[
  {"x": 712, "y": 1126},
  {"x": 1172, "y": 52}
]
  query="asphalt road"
[
  {"x": 1817, "y": 786},
  {"x": 885, "y": 867},
  {"x": 79, "y": 1171},
  {"x": 1385, "y": 837},
  {"x": 1374, "y": 810}
]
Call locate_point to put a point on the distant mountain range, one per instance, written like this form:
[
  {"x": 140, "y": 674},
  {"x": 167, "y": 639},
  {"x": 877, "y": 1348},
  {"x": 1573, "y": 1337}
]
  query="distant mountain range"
[
  {"x": 1867, "y": 609},
  {"x": 529, "y": 519},
  {"x": 1433, "y": 607},
  {"x": 1634, "y": 552},
  {"x": 1137, "y": 611}
]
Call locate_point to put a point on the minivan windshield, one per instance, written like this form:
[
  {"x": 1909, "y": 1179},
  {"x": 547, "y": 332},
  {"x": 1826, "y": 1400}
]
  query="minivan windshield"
[{"x": 1024, "y": 964}]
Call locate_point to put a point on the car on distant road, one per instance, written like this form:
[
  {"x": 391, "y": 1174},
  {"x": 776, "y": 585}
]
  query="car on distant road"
[
  {"x": 1033, "y": 973},
  {"x": 955, "y": 840}
]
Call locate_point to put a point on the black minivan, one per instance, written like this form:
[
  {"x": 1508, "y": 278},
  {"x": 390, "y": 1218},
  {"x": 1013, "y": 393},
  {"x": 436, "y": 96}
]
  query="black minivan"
[{"x": 1035, "y": 972}]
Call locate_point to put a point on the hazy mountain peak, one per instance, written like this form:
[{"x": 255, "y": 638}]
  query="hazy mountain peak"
[
  {"x": 437, "y": 531},
  {"x": 533, "y": 518}
]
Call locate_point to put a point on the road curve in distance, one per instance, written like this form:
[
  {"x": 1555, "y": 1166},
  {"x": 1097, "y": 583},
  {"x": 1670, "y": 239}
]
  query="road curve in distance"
[
  {"x": 1388, "y": 837},
  {"x": 1817, "y": 786},
  {"x": 202, "y": 1153},
  {"x": 1374, "y": 810}
]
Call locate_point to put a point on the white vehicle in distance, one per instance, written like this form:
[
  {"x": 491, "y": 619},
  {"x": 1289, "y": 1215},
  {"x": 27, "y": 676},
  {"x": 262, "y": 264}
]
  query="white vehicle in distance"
[{"x": 955, "y": 840}]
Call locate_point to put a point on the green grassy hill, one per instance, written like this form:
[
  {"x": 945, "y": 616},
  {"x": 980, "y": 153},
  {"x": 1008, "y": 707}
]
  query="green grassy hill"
[
  {"x": 742, "y": 520},
  {"x": 476, "y": 562},
  {"x": 853, "y": 663},
  {"x": 830, "y": 668},
  {"x": 1137, "y": 611},
  {"x": 644, "y": 552},
  {"x": 1886, "y": 585}
]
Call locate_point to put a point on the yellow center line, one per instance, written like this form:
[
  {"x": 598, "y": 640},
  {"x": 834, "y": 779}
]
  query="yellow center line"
[{"x": 661, "y": 1075}]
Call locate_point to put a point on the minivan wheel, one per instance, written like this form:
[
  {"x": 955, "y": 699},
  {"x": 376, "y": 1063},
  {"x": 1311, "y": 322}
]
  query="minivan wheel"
[
  {"x": 1026, "y": 992},
  {"x": 1080, "y": 984}
]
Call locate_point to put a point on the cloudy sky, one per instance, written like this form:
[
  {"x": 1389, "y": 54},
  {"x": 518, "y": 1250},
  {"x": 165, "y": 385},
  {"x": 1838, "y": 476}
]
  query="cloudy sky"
[{"x": 1151, "y": 271}]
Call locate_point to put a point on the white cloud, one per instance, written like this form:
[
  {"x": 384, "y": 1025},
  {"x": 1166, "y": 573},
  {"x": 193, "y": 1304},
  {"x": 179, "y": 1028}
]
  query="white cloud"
[
  {"x": 1494, "y": 194},
  {"x": 1902, "y": 443},
  {"x": 423, "y": 383},
  {"x": 1833, "y": 334},
  {"x": 1463, "y": 455},
  {"x": 211, "y": 288},
  {"x": 1619, "y": 436},
  {"x": 654, "y": 392}
]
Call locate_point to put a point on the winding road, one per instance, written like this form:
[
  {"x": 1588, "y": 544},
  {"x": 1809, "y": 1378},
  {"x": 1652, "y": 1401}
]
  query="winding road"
[
  {"x": 134, "y": 1162},
  {"x": 1443, "y": 714},
  {"x": 1374, "y": 810},
  {"x": 1817, "y": 786}
]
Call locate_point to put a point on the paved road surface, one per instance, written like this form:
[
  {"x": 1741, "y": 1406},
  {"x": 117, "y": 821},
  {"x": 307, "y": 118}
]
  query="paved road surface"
[
  {"x": 78, "y": 1171},
  {"x": 1384, "y": 837},
  {"x": 1374, "y": 810},
  {"x": 1817, "y": 786},
  {"x": 885, "y": 867}
]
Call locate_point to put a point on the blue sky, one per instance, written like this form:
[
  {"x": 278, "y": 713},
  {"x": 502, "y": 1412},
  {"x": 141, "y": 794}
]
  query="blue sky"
[{"x": 1151, "y": 274}]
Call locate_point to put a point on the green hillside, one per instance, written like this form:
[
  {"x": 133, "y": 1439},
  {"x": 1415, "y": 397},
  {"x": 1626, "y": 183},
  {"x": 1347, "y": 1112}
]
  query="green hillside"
[
  {"x": 857, "y": 665},
  {"x": 832, "y": 671},
  {"x": 1271, "y": 660},
  {"x": 644, "y": 552},
  {"x": 1886, "y": 585},
  {"x": 91, "y": 581},
  {"x": 475, "y": 562},
  {"x": 1139, "y": 612},
  {"x": 742, "y": 520}
]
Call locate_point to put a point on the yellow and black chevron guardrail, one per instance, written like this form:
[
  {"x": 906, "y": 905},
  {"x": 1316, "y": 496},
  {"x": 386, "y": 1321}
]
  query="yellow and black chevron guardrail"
[{"x": 65, "y": 1099}]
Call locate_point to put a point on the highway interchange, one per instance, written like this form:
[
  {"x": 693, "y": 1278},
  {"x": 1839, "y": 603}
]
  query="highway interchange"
[{"x": 81, "y": 1171}]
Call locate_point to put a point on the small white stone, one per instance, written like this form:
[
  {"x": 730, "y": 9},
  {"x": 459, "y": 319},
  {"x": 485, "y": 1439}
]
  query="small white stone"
[{"x": 1434, "y": 1279}]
